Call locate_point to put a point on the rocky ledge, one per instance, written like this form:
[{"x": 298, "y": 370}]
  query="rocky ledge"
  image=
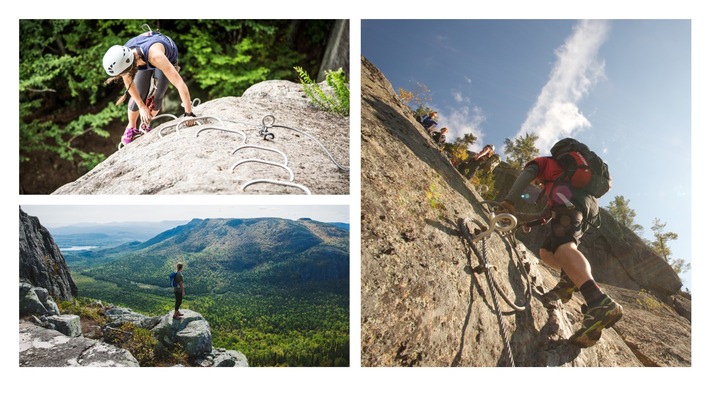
[{"x": 56, "y": 341}]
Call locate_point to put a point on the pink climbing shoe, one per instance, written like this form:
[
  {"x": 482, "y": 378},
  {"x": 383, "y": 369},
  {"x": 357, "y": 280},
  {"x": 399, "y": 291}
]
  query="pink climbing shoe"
[{"x": 129, "y": 135}]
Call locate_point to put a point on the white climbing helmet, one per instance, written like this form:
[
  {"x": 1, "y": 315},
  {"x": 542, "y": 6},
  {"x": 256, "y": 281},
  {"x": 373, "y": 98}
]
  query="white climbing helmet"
[{"x": 117, "y": 59}]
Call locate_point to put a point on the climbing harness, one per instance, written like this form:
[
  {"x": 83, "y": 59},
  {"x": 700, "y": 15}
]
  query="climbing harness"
[
  {"x": 505, "y": 225},
  {"x": 267, "y": 123}
]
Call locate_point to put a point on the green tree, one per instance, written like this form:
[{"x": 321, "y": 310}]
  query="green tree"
[
  {"x": 522, "y": 150},
  {"x": 486, "y": 179},
  {"x": 661, "y": 246},
  {"x": 457, "y": 151},
  {"x": 680, "y": 266},
  {"x": 621, "y": 211},
  {"x": 61, "y": 92}
]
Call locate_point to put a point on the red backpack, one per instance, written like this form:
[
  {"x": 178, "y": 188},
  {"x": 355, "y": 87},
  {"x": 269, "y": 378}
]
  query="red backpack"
[{"x": 583, "y": 168}]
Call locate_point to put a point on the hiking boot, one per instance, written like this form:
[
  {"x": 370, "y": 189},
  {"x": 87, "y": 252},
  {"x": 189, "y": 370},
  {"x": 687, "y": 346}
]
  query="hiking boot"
[
  {"x": 564, "y": 289},
  {"x": 177, "y": 317},
  {"x": 599, "y": 316},
  {"x": 129, "y": 135}
]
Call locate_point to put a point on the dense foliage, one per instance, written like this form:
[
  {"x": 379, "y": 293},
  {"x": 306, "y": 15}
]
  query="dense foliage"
[
  {"x": 64, "y": 104},
  {"x": 272, "y": 325}
]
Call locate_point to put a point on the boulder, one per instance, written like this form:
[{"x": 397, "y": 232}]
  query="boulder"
[
  {"x": 192, "y": 333},
  {"x": 41, "y": 347},
  {"x": 36, "y": 301},
  {"x": 68, "y": 324},
  {"x": 117, "y": 315},
  {"x": 29, "y": 302},
  {"x": 47, "y": 300},
  {"x": 315, "y": 143},
  {"x": 220, "y": 357}
]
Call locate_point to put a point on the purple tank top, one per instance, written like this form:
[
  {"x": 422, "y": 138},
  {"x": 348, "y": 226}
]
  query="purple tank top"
[{"x": 146, "y": 40}]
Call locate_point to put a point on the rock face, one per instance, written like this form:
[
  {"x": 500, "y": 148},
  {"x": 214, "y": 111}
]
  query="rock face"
[
  {"x": 425, "y": 299},
  {"x": 41, "y": 263},
  {"x": 337, "y": 54},
  {"x": 42, "y": 347},
  {"x": 192, "y": 161}
]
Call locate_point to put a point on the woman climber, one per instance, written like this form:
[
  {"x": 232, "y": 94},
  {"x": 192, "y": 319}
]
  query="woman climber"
[{"x": 143, "y": 58}]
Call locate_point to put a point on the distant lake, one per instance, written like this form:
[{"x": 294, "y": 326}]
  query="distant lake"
[{"x": 78, "y": 248}]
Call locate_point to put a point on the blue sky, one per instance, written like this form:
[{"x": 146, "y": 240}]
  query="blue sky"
[{"x": 621, "y": 86}]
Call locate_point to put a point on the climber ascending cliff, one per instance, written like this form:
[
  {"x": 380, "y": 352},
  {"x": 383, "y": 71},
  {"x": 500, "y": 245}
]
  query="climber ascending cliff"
[{"x": 572, "y": 193}]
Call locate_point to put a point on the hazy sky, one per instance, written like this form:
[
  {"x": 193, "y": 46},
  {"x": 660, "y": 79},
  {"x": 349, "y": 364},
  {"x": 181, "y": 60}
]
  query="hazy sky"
[
  {"x": 65, "y": 215},
  {"x": 621, "y": 86}
]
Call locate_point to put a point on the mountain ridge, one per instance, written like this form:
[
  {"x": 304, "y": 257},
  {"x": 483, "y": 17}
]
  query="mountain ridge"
[{"x": 227, "y": 245}]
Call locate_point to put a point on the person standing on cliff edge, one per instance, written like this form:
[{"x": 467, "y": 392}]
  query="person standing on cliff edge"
[{"x": 179, "y": 289}]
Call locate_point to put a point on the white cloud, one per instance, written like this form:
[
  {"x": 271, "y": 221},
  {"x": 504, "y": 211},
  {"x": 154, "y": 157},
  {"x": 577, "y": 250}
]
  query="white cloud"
[
  {"x": 463, "y": 120},
  {"x": 555, "y": 113},
  {"x": 467, "y": 79},
  {"x": 458, "y": 97}
]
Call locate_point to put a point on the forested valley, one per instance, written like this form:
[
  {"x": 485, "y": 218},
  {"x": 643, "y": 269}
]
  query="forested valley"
[{"x": 284, "y": 304}]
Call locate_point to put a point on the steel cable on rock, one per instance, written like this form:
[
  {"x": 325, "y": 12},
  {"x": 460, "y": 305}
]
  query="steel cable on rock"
[
  {"x": 506, "y": 231},
  {"x": 265, "y": 126},
  {"x": 509, "y": 234},
  {"x": 267, "y": 122},
  {"x": 492, "y": 285},
  {"x": 496, "y": 305}
]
